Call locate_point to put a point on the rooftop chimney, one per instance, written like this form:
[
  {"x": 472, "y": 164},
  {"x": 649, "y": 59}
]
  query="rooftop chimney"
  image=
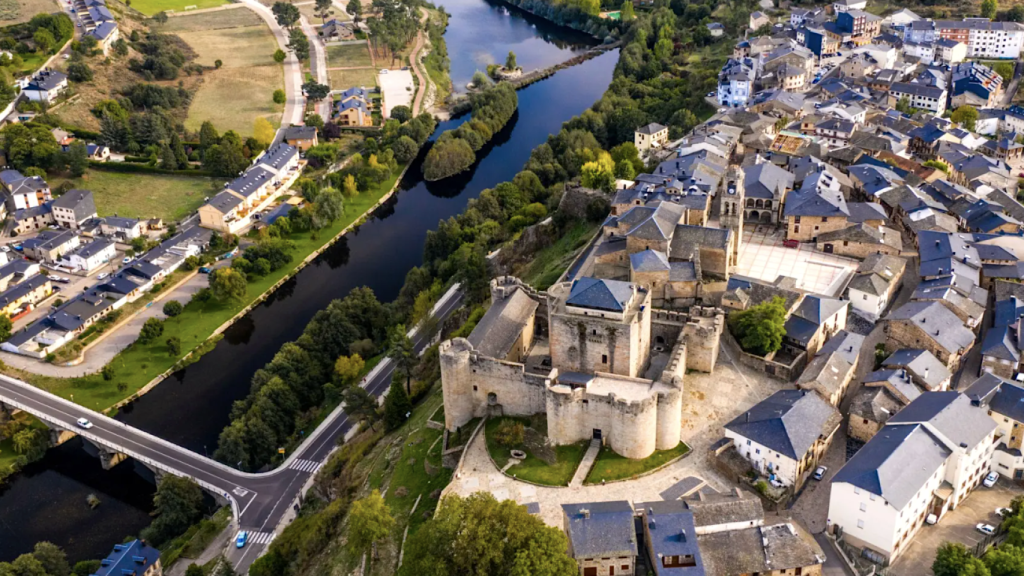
[{"x": 585, "y": 512}]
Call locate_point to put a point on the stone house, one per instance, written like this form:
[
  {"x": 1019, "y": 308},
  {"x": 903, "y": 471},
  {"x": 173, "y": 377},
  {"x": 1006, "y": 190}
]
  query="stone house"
[
  {"x": 813, "y": 322},
  {"x": 860, "y": 241},
  {"x": 602, "y": 539},
  {"x": 817, "y": 207},
  {"x": 832, "y": 369},
  {"x": 923, "y": 368},
  {"x": 785, "y": 435},
  {"x": 870, "y": 410},
  {"x": 765, "y": 188},
  {"x": 1004, "y": 401},
  {"x": 932, "y": 327},
  {"x": 653, "y": 135}
]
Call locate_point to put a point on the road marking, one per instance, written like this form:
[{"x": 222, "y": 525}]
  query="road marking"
[
  {"x": 305, "y": 465},
  {"x": 262, "y": 537}
]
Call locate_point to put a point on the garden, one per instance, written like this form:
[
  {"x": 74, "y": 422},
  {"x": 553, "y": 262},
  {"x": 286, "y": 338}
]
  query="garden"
[
  {"x": 610, "y": 466},
  {"x": 541, "y": 463}
]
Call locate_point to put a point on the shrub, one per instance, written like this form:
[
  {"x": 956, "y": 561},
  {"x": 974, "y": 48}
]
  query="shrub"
[
  {"x": 172, "y": 308},
  {"x": 510, "y": 433}
]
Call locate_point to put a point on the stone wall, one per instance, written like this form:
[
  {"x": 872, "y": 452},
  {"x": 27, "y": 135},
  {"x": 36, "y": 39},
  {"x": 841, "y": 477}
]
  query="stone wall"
[
  {"x": 628, "y": 427},
  {"x": 810, "y": 227},
  {"x": 700, "y": 330},
  {"x": 765, "y": 364},
  {"x": 862, "y": 429},
  {"x": 905, "y": 334},
  {"x": 594, "y": 344},
  {"x": 858, "y": 250}
]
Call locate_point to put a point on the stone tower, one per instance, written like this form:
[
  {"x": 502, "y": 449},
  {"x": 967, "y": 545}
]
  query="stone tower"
[{"x": 732, "y": 208}]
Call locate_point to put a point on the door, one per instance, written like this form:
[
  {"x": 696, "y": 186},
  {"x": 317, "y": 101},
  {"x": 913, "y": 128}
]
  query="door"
[
  {"x": 590, "y": 571},
  {"x": 597, "y": 436},
  {"x": 828, "y": 248}
]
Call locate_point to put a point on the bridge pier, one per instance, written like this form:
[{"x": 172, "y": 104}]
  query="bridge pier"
[
  {"x": 108, "y": 458},
  {"x": 59, "y": 436}
]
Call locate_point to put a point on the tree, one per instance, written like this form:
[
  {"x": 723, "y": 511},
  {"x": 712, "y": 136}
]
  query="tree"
[
  {"x": 510, "y": 61},
  {"x": 329, "y": 206},
  {"x": 1004, "y": 69},
  {"x": 228, "y": 284},
  {"x": 279, "y": 56},
  {"x": 53, "y": 559},
  {"x": 27, "y": 565},
  {"x": 178, "y": 504},
  {"x": 988, "y": 9},
  {"x": 194, "y": 570},
  {"x": 760, "y": 328},
  {"x": 323, "y": 7},
  {"x": 402, "y": 351},
  {"x": 299, "y": 44},
  {"x": 287, "y": 14},
  {"x": 361, "y": 404},
  {"x": 179, "y": 150},
  {"x": 174, "y": 345},
  {"x": 168, "y": 161},
  {"x": 348, "y": 368},
  {"x": 903, "y": 105},
  {"x": 355, "y": 9},
  {"x": 599, "y": 174},
  {"x": 349, "y": 187},
  {"x": 151, "y": 330},
  {"x": 5, "y": 327},
  {"x": 480, "y": 535},
  {"x": 397, "y": 405},
  {"x": 279, "y": 96},
  {"x": 208, "y": 135},
  {"x": 401, "y": 113},
  {"x": 954, "y": 559},
  {"x": 172, "y": 308},
  {"x": 626, "y": 13},
  {"x": 315, "y": 120},
  {"x": 86, "y": 567},
  {"x": 315, "y": 91},
  {"x": 1015, "y": 14},
  {"x": 370, "y": 521},
  {"x": 263, "y": 131},
  {"x": 405, "y": 149},
  {"x": 44, "y": 40},
  {"x": 624, "y": 170},
  {"x": 79, "y": 71},
  {"x": 1006, "y": 560},
  {"x": 510, "y": 433}
]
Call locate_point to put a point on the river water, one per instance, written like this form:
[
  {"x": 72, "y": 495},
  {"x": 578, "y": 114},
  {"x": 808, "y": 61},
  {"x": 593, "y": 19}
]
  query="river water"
[{"x": 190, "y": 408}]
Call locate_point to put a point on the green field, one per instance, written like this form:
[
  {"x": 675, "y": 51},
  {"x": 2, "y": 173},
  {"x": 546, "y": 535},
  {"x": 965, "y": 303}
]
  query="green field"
[
  {"x": 610, "y": 466},
  {"x": 151, "y": 7},
  {"x": 242, "y": 89},
  {"x": 140, "y": 363},
  {"x": 543, "y": 465},
  {"x": 235, "y": 17},
  {"x": 145, "y": 195},
  {"x": 348, "y": 56},
  {"x": 345, "y": 79}
]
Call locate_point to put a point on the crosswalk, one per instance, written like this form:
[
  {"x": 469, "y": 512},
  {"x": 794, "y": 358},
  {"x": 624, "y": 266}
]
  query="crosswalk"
[
  {"x": 261, "y": 537},
  {"x": 305, "y": 465}
]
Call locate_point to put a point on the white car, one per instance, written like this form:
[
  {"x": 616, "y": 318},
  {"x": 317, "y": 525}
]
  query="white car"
[
  {"x": 102, "y": 276},
  {"x": 777, "y": 483},
  {"x": 820, "y": 472},
  {"x": 83, "y": 423},
  {"x": 991, "y": 479},
  {"x": 1003, "y": 512},
  {"x": 931, "y": 519},
  {"x": 987, "y": 529}
]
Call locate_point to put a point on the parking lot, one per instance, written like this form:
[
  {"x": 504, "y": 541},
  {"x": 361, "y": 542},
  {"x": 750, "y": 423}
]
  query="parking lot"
[
  {"x": 957, "y": 526},
  {"x": 763, "y": 256}
]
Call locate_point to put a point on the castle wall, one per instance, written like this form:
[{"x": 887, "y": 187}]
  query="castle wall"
[
  {"x": 591, "y": 344},
  {"x": 670, "y": 419},
  {"x": 628, "y": 428},
  {"x": 468, "y": 380},
  {"x": 634, "y": 245}
]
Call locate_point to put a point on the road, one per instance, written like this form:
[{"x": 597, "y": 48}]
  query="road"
[
  {"x": 1011, "y": 88},
  {"x": 318, "y": 63},
  {"x": 295, "y": 102},
  {"x": 414, "y": 59},
  {"x": 259, "y": 500}
]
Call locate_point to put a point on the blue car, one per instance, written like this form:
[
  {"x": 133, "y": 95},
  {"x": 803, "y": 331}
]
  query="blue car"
[
  {"x": 204, "y": 270},
  {"x": 242, "y": 537}
]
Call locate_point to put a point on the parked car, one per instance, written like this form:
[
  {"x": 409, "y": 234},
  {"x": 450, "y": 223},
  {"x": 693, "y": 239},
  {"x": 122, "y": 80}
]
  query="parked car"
[
  {"x": 241, "y": 539},
  {"x": 83, "y": 423},
  {"x": 820, "y": 472},
  {"x": 102, "y": 276},
  {"x": 931, "y": 519},
  {"x": 777, "y": 483},
  {"x": 791, "y": 243},
  {"x": 125, "y": 260},
  {"x": 204, "y": 270},
  {"x": 5, "y": 249},
  {"x": 18, "y": 248},
  {"x": 986, "y": 529},
  {"x": 991, "y": 479},
  {"x": 1001, "y": 512}
]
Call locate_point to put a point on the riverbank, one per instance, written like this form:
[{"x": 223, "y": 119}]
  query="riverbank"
[{"x": 141, "y": 367}]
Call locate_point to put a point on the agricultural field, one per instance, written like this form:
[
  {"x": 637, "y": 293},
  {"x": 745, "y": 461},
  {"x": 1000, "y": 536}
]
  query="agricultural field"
[
  {"x": 242, "y": 89},
  {"x": 345, "y": 79},
  {"x": 151, "y": 7},
  {"x": 18, "y": 11},
  {"x": 233, "y": 17},
  {"x": 145, "y": 195},
  {"x": 348, "y": 56}
]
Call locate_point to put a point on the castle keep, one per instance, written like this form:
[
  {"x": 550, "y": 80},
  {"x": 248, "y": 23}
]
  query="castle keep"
[{"x": 592, "y": 355}]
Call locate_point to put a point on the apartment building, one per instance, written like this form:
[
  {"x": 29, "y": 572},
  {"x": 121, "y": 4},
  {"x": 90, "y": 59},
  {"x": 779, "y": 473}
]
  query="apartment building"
[{"x": 984, "y": 38}]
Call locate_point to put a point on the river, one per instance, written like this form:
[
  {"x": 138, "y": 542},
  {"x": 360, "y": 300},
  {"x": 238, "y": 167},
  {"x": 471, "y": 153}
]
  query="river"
[{"x": 192, "y": 406}]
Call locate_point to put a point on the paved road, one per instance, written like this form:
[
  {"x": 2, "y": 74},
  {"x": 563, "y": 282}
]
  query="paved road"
[
  {"x": 414, "y": 58},
  {"x": 295, "y": 103},
  {"x": 318, "y": 63},
  {"x": 1011, "y": 88},
  {"x": 259, "y": 500}
]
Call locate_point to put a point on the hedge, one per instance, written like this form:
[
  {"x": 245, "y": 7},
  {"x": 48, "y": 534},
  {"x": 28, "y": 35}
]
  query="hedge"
[{"x": 142, "y": 169}]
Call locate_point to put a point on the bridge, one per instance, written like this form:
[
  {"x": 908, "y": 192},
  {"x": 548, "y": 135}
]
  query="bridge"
[{"x": 258, "y": 500}]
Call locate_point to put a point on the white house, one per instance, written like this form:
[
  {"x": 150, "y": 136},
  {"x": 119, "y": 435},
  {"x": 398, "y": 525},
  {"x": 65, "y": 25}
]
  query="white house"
[
  {"x": 920, "y": 96},
  {"x": 22, "y": 192},
  {"x": 875, "y": 283},
  {"x": 46, "y": 86},
  {"x": 121, "y": 228},
  {"x": 89, "y": 257},
  {"x": 984, "y": 38},
  {"x": 847, "y": 5},
  {"x": 1004, "y": 401},
  {"x": 926, "y": 460},
  {"x": 653, "y": 135},
  {"x": 784, "y": 435},
  {"x": 736, "y": 82}
]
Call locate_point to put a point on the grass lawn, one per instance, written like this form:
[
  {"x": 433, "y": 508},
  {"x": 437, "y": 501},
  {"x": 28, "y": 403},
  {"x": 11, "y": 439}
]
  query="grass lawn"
[
  {"x": 345, "y": 79},
  {"x": 17, "y": 11},
  {"x": 348, "y": 55},
  {"x": 151, "y": 7},
  {"x": 198, "y": 536},
  {"x": 543, "y": 464},
  {"x": 145, "y": 195},
  {"x": 548, "y": 264},
  {"x": 611, "y": 466},
  {"x": 236, "y": 17},
  {"x": 140, "y": 363},
  {"x": 243, "y": 88}
]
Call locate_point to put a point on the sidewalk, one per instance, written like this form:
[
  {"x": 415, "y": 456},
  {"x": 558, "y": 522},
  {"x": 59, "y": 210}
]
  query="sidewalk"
[{"x": 586, "y": 464}]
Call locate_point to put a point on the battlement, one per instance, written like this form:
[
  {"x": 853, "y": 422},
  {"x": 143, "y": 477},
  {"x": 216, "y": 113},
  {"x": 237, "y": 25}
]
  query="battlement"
[{"x": 503, "y": 286}]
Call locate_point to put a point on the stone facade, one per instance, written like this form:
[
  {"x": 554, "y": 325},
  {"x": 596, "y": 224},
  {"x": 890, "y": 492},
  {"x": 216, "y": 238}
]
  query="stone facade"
[
  {"x": 599, "y": 377},
  {"x": 808, "y": 228}
]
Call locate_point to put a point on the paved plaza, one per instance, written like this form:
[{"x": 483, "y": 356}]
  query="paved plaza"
[{"x": 763, "y": 256}]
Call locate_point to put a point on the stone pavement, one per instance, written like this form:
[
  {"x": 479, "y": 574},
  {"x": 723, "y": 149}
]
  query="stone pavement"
[
  {"x": 710, "y": 401},
  {"x": 586, "y": 464}
]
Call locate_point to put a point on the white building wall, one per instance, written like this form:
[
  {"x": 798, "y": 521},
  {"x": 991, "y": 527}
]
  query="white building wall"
[
  {"x": 760, "y": 457},
  {"x": 867, "y": 303},
  {"x": 872, "y": 522}
]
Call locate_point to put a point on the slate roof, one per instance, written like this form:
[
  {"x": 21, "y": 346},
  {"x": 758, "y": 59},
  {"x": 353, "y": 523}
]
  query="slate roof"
[
  {"x": 80, "y": 201},
  {"x": 895, "y": 463},
  {"x": 686, "y": 238},
  {"x": 788, "y": 422},
  {"x": 21, "y": 289},
  {"x": 766, "y": 181},
  {"x": 826, "y": 373},
  {"x": 600, "y": 294},
  {"x": 121, "y": 222},
  {"x": 999, "y": 342},
  {"x": 649, "y": 261},
  {"x": 938, "y": 323},
  {"x": 46, "y": 80},
  {"x": 608, "y": 532},
  {"x": 130, "y": 558},
  {"x": 1004, "y": 397},
  {"x": 682, "y": 272},
  {"x": 915, "y": 89},
  {"x": 779, "y": 547},
  {"x": 951, "y": 414},
  {"x": 818, "y": 309},
  {"x": 103, "y": 30},
  {"x": 650, "y": 129},
  {"x": 299, "y": 133},
  {"x": 277, "y": 157},
  {"x": 812, "y": 200},
  {"x": 502, "y": 325},
  {"x": 898, "y": 378},
  {"x": 845, "y": 343},
  {"x": 251, "y": 181},
  {"x": 865, "y": 234},
  {"x": 672, "y": 533},
  {"x": 922, "y": 365},
  {"x": 92, "y": 248},
  {"x": 224, "y": 201}
]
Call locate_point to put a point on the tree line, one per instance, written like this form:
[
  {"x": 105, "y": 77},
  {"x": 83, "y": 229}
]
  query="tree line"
[{"x": 455, "y": 150}]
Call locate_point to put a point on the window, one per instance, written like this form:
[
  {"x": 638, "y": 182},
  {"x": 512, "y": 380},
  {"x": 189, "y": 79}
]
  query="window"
[
  {"x": 474, "y": 388},
  {"x": 604, "y": 358},
  {"x": 748, "y": 442},
  {"x": 757, "y": 450},
  {"x": 860, "y": 523},
  {"x": 856, "y": 490},
  {"x": 863, "y": 506},
  {"x": 871, "y": 497},
  {"x": 796, "y": 219}
]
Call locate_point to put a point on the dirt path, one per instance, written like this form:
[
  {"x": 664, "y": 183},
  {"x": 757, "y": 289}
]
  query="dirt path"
[{"x": 414, "y": 59}]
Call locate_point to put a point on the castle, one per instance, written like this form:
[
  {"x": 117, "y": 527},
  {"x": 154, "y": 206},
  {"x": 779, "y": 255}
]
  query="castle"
[{"x": 592, "y": 355}]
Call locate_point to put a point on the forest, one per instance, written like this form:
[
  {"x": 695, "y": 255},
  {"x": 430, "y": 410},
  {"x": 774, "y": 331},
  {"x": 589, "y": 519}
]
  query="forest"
[{"x": 455, "y": 150}]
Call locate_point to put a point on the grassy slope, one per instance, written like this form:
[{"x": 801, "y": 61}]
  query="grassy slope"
[
  {"x": 548, "y": 264},
  {"x": 17, "y": 11},
  {"x": 348, "y": 56},
  {"x": 140, "y": 363},
  {"x": 611, "y": 466},
  {"x": 151, "y": 7},
  {"x": 534, "y": 469},
  {"x": 145, "y": 195}
]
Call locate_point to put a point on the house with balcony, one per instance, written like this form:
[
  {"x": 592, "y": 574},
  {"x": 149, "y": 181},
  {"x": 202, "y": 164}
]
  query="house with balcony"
[
  {"x": 46, "y": 86},
  {"x": 231, "y": 210},
  {"x": 736, "y": 82}
]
